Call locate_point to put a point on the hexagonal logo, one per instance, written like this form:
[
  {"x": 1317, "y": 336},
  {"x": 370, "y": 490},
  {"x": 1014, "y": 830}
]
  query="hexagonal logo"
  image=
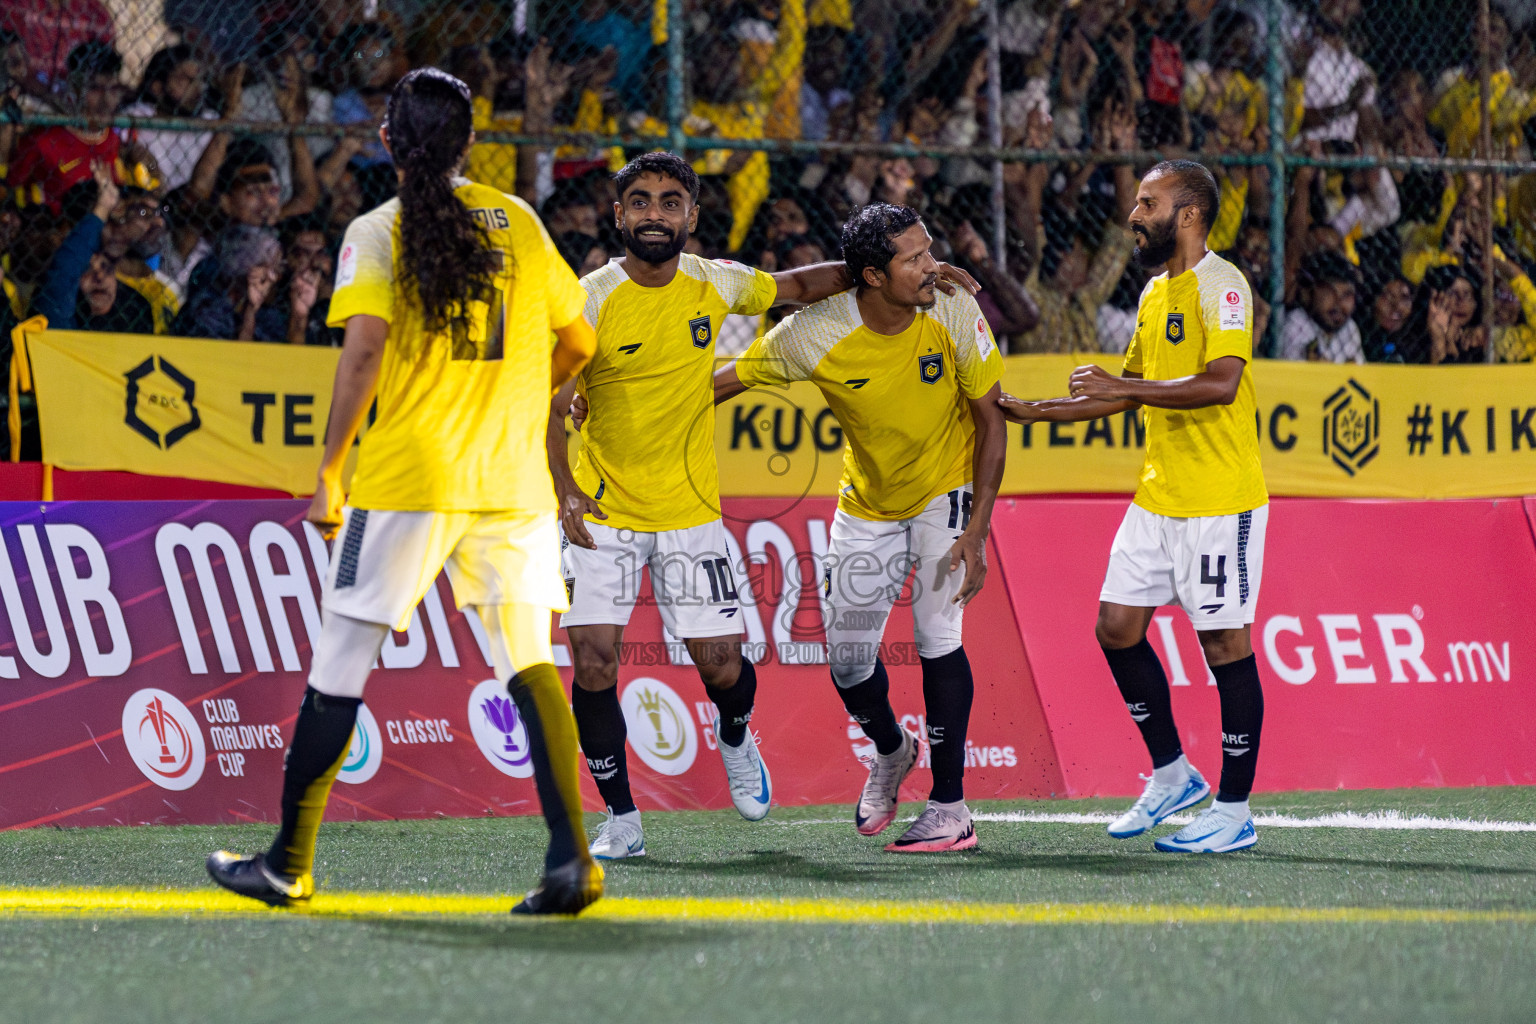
[
  {"x": 1351, "y": 427},
  {"x": 162, "y": 402}
]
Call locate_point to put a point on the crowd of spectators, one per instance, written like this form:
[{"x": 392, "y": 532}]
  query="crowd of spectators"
[{"x": 226, "y": 234}]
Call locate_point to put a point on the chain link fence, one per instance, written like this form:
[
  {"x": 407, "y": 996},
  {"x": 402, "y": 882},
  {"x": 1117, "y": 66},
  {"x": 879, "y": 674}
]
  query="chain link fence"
[{"x": 171, "y": 165}]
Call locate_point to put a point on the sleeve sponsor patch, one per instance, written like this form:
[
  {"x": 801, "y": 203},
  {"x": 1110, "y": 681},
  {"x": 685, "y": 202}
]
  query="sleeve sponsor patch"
[
  {"x": 1230, "y": 311},
  {"x": 346, "y": 266},
  {"x": 983, "y": 339}
]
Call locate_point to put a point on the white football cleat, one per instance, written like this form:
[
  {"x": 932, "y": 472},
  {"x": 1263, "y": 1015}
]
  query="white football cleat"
[
  {"x": 877, "y": 803},
  {"x": 1214, "y": 831},
  {"x": 941, "y": 828},
  {"x": 1157, "y": 802},
  {"x": 620, "y": 837},
  {"x": 751, "y": 785}
]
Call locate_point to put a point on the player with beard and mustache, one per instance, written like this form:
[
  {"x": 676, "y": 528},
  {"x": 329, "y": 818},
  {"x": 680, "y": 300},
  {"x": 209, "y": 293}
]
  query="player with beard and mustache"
[
  {"x": 912, "y": 377},
  {"x": 1195, "y": 534},
  {"x": 645, "y": 487}
]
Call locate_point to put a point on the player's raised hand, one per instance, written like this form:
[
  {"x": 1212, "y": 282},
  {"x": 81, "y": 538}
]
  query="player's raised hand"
[
  {"x": 325, "y": 507},
  {"x": 1093, "y": 381},
  {"x": 575, "y": 506},
  {"x": 950, "y": 276},
  {"x": 1017, "y": 410},
  {"x": 972, "y": 550}
]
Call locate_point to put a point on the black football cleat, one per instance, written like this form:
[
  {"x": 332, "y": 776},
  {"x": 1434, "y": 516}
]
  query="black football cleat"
[
  {"x": 568, "y": 889},
  {"x": 250, "y": 876}
]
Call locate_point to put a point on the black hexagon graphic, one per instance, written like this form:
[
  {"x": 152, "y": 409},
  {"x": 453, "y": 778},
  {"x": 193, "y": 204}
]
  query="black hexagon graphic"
[
  {"x": 188, "y": 393},
  {"x": 1351, "y": 427}
]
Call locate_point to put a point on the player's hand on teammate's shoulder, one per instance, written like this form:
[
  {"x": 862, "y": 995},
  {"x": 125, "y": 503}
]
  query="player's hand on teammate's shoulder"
[
  {"x": 951, "y": 276},
  {"x": 970, "y": 548},
  {"x": 1093, "y": 381},
  {"x": 325, "y": 507},
  {"x": 575, "y": 506},
  {"x": 1017, "y": 410}
]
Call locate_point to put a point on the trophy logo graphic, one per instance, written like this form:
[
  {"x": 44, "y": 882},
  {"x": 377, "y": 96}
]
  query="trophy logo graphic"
[
  {"x": 660, "y": 729},
  {"x": 499, "y": 731},
  {"x": 163, "y": 739}
]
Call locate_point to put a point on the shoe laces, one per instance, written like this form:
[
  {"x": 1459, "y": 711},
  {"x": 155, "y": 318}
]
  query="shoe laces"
[
  {"x": 742, "y": 759},
  {"x": 882, "y": 767},
  {"x": 1153, "y": 793},
  {"x": 617, "y": 831},
  {"x": 935, "y": 821}
]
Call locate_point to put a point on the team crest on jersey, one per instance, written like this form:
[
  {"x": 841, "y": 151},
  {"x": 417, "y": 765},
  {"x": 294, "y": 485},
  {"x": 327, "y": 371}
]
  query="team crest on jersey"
[
  {"x": 930, "y": 367},
  {"x": 1175, "y": 330},
  {"x": 702, "y": 333}
]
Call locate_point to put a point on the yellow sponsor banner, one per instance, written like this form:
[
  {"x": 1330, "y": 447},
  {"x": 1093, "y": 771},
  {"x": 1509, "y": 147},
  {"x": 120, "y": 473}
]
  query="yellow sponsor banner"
[
  {"x": 1374, "y": 431},
  {"x": 255, "y": 414},
  {"x": 237, "y": 412}
]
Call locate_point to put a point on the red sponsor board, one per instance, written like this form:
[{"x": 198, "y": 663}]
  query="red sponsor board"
[
  {"x": 153, "y": 653},
  {"x": 1396, "y": 642}
]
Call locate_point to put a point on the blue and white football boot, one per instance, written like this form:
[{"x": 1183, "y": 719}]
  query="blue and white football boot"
[
  {"x": 1215, "y": 830},
  {"x": 1158, "y": 802},
  {"x": 751, "y": 785},
  {"x": 620, "y": 838}
]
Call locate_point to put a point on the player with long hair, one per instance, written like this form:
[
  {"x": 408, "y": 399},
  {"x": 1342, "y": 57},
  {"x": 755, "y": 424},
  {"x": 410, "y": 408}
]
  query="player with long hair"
[{"x": 448, "y": 294}]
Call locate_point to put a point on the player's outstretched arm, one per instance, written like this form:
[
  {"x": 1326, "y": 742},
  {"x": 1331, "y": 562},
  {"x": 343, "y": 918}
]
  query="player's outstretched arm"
[
  {"x": 575, "y": 345},
  {"x": 575, "y": 504},
  {"x": 357, "y": 373},
  {"x": 1215, "y": 385},
  {"x": 988, "y": 453},
  {"x": 1064, "y": 410},
  {"x": 727, "y": 383},
  {"x": 805, "y": 285}
]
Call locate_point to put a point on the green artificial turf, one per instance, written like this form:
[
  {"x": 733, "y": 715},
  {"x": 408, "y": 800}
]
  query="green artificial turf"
[{"x": 289, "y": 968}]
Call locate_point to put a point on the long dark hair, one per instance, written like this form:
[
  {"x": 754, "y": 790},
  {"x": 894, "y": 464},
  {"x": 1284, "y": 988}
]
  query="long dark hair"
[{"x": 444, "y": 250}]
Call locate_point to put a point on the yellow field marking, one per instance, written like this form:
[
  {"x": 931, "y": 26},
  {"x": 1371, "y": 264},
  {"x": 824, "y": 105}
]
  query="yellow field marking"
[{"x": 179, "y": 902}]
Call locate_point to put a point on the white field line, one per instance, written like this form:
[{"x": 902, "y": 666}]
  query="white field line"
[{"x": 1344, "y": 819}]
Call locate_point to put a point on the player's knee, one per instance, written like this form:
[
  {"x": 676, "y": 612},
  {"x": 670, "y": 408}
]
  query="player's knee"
[
  {"x": 1117, "y": 632},
  {"x": 718, "y": 662},
  {"x": 595, "y": 666},
  {"x": 848, "y": 673},
  {"x": 1224, "y": 646}
]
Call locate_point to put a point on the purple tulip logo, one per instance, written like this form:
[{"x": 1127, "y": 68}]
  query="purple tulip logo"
[{"x": 501, "y": 713}]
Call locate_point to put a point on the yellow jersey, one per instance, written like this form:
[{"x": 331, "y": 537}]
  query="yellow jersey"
[
  {"x": 648, "y": 444},
  {"x": 161, "y": 294},
  {"x": 903, "y": 400},
  {"x": 461, "y": 414},
  {"x": 1200, "y": 462}
]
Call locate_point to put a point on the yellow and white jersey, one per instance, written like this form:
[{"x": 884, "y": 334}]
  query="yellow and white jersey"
[
  {"x": 462, "y": 413},
  {"x": 648, "y": 444},
  {"x": 902, "y": 400},
  {"x": 1200, "y": 462}
]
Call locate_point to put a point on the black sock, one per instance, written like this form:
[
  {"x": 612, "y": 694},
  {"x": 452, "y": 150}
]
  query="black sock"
[
  {"x": 600, "y": 723},
  {"x": 321, "y": 737},
  {"x": 540, "y": 700},
  {"x": 870, "y": 705},
  {"x": 1242, "y": 717},
  {"x": 947, "y": 693},
  {"x": 1144, "y": 687},
  {"x": 735, "y": 704}
]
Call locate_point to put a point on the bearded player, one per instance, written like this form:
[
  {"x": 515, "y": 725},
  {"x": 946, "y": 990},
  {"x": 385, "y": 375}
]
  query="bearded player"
[
  {"x": 912, "y": 376},
  {"x": 644, "y": 493},
  {"x": 448, "y": 295},
  {"x": 1194, "y": 535}
]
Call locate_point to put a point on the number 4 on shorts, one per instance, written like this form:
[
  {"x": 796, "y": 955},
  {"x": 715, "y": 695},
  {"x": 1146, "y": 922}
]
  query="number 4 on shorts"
[{"x": 1220, "y": 579}]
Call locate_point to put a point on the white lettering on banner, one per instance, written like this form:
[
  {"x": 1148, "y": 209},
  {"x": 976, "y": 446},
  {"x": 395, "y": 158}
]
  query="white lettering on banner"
[
  {"x": 1411, "y": 651},
  {"x": 1299, "y": 674},
  {"x": 760, "y": 536},
  {"x": 231, "y": 766},
  {"x": 56, "y": 661},
  {"x": 82, "y": 592},
  {"x": 1487, "y": 655},
  {"x": 1342, "y": 648},
  {"x": 196, "y": 541},
  {"x": 410, "y": 654},
  {"x": 246, "y": 737},
  {"x": 293, "y": 583},
  {"x": 1172, "y": 655},
  {"x": 411, "y": 730},
  {"x": 221, "y": 711},
  {"x": 437, "y": 619}
]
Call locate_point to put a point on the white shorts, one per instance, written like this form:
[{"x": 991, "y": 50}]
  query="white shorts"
[
  {"x": 693, "y": 578},
  {"x": 1211, "y": 566},
  {"x": 868, "y": 563},
  {"x": 383, "y": 562}
]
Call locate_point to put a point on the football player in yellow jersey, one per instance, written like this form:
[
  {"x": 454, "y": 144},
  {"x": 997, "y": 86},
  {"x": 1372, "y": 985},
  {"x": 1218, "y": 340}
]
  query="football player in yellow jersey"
[
  {"x": 1195, "y": 533},
  {"x": 448, "y": 295},
  {"x": 912, "y": 376},
  {"x": 645, "y": 492}
]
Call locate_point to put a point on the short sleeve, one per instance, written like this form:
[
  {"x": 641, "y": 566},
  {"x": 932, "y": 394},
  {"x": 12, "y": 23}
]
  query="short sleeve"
[
  {"x": 1137, "y": 347},
  {"x": 978, "y": 363},
  {"x": 365, "y": 272},
  {"x": 756, "y": 291},
  {"x": 563, "y": 294},
  {"x": 1226, "y": 313},
  {"x": 780, "y": 356}
]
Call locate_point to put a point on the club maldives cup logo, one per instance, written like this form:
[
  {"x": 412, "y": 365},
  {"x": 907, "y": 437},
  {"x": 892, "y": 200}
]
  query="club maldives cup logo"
[
  {"x": 163, "y": 739},
  {"x": 660, "y": 729},
  {"x": 499, "y": 730},
  {"x": 366, "y": 752}
]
